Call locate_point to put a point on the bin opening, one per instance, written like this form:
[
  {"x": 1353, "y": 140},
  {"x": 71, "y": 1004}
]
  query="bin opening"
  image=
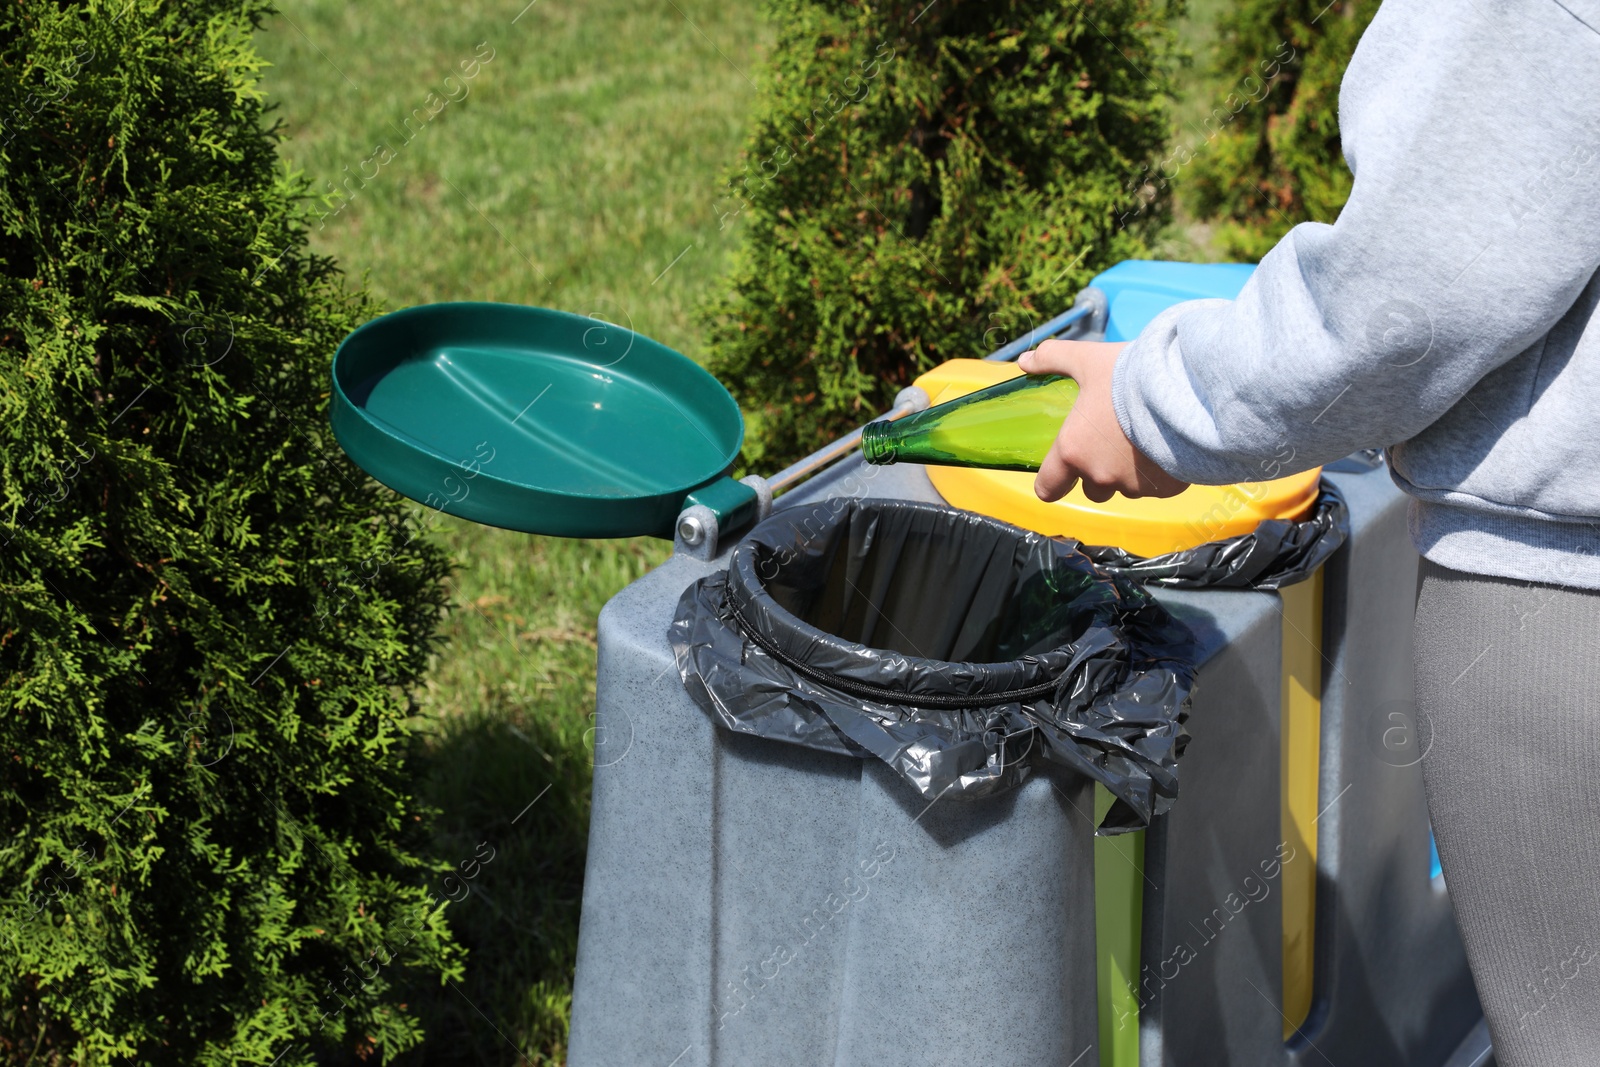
[
  {"x": 962, "y": 652},
  {"x": 929, "y": 584}
]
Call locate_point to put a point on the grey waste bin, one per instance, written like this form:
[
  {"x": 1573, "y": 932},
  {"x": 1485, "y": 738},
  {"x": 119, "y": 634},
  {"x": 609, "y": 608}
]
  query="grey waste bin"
[
  {"x": 749, "y": 902},
  {"x": 718, "y": 926}
]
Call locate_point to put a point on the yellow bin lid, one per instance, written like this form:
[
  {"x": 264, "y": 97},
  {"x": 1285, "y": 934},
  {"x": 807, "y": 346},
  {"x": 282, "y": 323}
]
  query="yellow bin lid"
[{"x": 1145, "y": 527}]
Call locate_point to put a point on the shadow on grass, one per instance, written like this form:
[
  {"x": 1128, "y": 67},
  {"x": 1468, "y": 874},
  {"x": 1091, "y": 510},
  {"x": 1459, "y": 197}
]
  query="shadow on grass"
[
  {"x": 506, "y": 769},
  {"x": 514, "y": 792}
]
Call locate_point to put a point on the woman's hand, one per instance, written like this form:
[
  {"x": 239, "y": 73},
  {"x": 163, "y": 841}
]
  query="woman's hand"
[{"x": 1091, "y": 446}]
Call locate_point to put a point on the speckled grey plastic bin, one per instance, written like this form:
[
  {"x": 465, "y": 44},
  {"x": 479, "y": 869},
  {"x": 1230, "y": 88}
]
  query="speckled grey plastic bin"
[{"x": 749, "y": 904}]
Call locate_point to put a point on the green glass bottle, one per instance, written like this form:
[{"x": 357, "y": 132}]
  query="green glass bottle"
[{"x": 1008, "y": 427}]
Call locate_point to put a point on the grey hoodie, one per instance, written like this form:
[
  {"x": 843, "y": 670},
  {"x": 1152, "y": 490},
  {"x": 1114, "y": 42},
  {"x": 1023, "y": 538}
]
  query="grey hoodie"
[{"x": 1449, "y": 313}]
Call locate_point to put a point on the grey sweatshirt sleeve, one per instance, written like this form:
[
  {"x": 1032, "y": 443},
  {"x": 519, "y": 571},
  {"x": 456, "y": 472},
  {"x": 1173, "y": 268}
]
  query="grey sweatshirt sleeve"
[{"x": 1473, "y": 130}]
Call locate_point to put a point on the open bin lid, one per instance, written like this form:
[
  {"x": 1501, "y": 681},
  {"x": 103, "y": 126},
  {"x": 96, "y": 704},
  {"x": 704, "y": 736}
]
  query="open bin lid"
[
  {"x": 1135, "y": 291},
  {"x": 1146, "y": 526},
  {"x": 530, "y": 419}
]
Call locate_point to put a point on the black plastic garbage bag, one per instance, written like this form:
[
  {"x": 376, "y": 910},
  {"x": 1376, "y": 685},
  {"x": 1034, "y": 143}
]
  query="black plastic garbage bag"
[
  {"x": 962, "y": 652},
  {"x": 1276, "y": 554}
]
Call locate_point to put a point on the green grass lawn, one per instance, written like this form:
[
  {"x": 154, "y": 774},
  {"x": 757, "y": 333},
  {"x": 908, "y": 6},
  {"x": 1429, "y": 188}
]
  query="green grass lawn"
[
  {"x": 576, "y": 168},
  {"x": 578, "y": 163}
]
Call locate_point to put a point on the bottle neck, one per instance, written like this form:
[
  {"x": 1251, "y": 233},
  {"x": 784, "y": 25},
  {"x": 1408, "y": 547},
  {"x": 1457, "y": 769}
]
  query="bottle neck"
[{"x": 877, "y": 442}]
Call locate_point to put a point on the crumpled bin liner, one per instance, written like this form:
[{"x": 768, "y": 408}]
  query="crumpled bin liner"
[
  {"x": 1277, "y": 553},
  {"x": 961, "y": 651}
]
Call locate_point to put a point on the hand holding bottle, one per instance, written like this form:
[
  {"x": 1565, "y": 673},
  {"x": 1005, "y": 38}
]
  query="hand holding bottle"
[{"x": 1091, "y": 446}]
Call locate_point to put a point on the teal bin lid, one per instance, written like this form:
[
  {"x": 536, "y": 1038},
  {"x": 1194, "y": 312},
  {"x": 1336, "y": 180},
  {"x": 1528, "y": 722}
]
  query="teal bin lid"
[
  {"x": 531, "y": 419},
  {"x": 1138, "y": 290}
]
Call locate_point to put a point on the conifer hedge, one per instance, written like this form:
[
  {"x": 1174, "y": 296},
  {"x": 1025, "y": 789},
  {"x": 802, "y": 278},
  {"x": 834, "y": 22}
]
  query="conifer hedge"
[
  {"x": 209, "y": 620},
  {"x": 925, "y": 180},
  {"x": 1277, "y": 161}
]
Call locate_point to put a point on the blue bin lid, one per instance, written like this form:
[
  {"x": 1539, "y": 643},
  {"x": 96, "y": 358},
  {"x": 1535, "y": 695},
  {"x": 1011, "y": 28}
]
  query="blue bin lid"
[{"x": 1140, "y": 289}]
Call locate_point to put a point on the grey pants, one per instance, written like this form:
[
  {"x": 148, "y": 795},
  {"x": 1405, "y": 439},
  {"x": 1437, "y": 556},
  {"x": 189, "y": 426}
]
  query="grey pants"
[{"x": 1508, "y": 678}]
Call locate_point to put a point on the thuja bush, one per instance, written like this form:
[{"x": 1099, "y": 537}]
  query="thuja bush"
[
  {"x": 1277, "y": 161},
  {"x": 924, "y": 181},
  {"x": 209, "y": 620}
]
